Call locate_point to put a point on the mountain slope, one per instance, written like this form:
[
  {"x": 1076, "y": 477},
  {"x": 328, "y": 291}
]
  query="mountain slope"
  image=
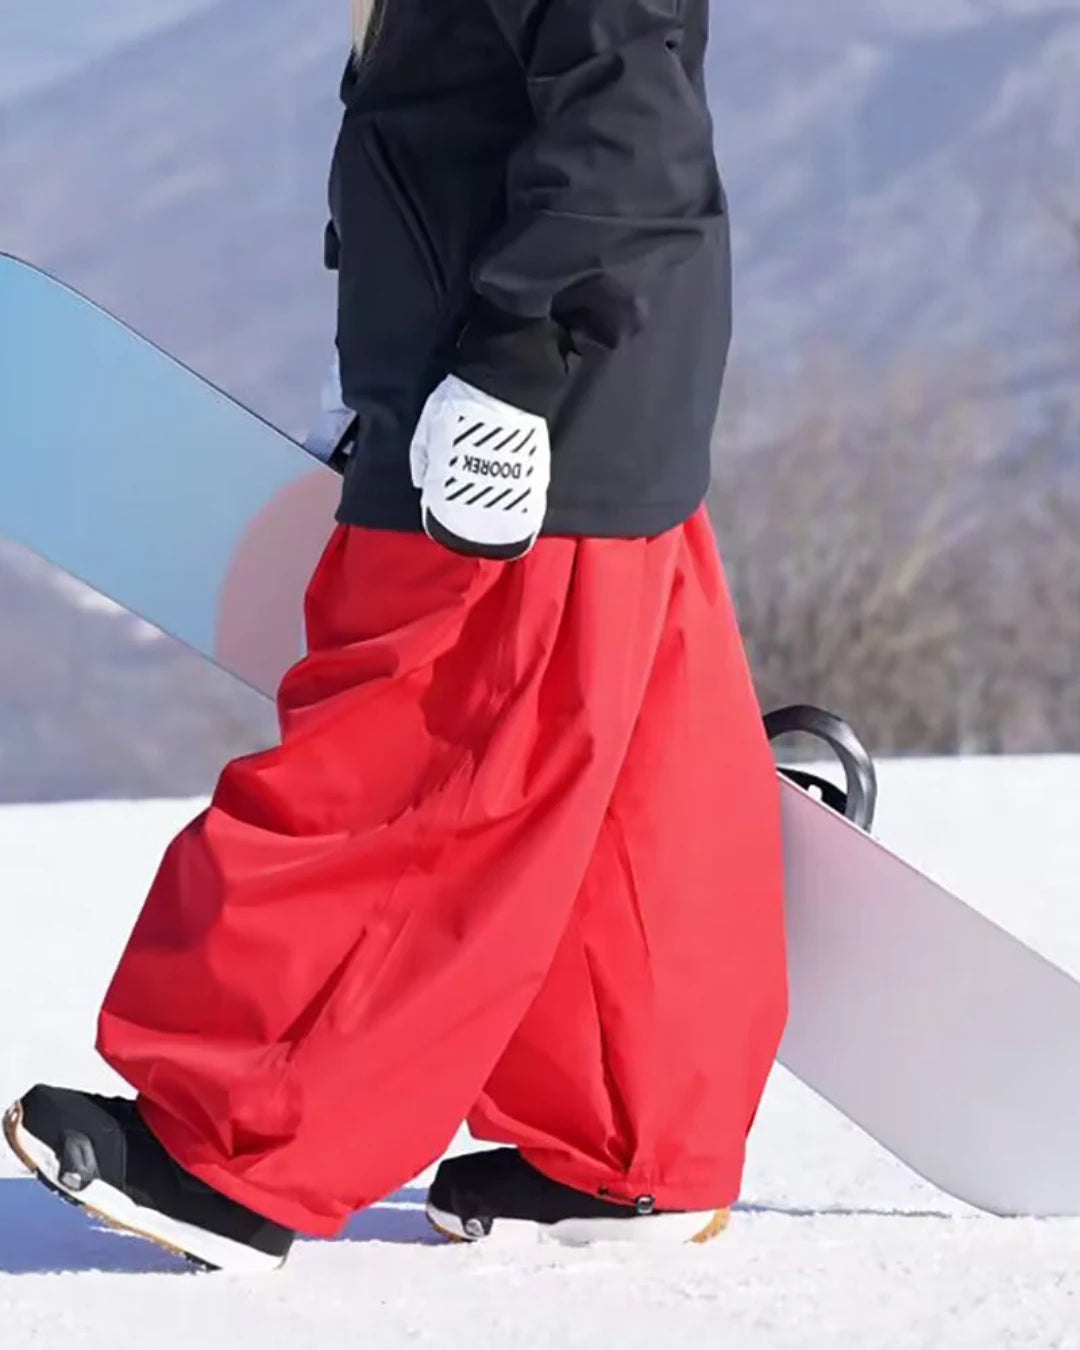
[
  {"x": 182, "y": 182},
  {"x": 894, "y": 172},
  {"x": 896, "y": 184},
  {"x": 897, "y": 171},
  {"x": 38, "y": 48},
  {"x": 95, "y": 703}
]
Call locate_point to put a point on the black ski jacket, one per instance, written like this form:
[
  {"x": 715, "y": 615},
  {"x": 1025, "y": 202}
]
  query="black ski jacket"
[{"x": 525, "y": 193}]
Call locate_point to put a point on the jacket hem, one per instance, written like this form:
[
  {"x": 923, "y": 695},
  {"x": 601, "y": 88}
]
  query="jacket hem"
[{"x": 591, "y": 520}]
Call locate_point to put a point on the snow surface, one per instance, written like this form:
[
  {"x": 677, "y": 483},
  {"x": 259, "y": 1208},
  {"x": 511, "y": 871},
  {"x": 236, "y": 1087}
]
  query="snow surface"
[{"x": 837, "y": 1244}]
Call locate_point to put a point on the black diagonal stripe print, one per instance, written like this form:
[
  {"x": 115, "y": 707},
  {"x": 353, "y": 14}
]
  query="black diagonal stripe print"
[
  {"x": 517, "y": 500},
  {"x": 476, "y": 426},
  {"x": 503, "y": 444},
  {"x": 500, "y": 498},
  {"x": 479, "y": 496},
  {"x": 495, "y": 431},
  {"x": 461, "y": 492}
]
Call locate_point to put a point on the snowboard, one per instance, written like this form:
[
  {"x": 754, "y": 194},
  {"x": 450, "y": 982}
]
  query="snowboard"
[{"x": 942, "y": 1036}]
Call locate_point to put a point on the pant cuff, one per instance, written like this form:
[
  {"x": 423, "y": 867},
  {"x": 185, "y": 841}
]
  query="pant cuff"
[
  {"x": 175, "y": 1140},
  {"x": 717, "y": 1189}
]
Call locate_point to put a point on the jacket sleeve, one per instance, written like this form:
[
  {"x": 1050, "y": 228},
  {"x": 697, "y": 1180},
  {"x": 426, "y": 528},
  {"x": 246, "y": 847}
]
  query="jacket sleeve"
[{"x": 616, "y": 183}]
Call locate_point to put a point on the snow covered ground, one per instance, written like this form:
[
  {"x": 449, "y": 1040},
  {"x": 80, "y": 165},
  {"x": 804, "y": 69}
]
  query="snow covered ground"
[{"x": 837, "y": 1243}]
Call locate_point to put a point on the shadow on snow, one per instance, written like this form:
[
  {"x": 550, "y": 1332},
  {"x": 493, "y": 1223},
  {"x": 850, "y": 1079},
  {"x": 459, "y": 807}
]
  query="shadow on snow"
[{"x": 40, "y": 1235}]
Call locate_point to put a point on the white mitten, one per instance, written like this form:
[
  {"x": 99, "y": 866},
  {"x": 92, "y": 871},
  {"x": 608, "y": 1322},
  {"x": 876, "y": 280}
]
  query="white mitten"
[{"x": 483, "y": 468}]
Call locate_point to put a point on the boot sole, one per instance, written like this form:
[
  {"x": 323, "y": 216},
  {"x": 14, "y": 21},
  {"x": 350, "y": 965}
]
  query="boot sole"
[
  {"x": 202, "y": 1250},
  {"x": 654, "y": 1229}
]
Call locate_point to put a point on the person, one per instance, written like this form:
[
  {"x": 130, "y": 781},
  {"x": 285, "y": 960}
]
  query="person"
[{"x": 516, "y": 859}]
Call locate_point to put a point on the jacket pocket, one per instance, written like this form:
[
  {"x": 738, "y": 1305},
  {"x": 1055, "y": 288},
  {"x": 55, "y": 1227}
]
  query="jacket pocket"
[
  {"x": 405, "y": 205},
  {"x": 393, "y": 313}
]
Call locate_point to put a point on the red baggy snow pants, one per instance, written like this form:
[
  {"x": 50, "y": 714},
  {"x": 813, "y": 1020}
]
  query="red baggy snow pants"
[{"x": 516, "y": 859}]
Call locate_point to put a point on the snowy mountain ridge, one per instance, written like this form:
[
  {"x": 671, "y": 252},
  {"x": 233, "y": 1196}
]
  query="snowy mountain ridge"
[
  {"x": 898, "y": 176},
  {"x": 902, "y": 177}
]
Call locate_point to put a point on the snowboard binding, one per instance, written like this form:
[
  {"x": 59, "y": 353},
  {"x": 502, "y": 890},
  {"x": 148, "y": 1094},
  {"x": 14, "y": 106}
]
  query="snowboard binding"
[{"x": 858, "y": 800}]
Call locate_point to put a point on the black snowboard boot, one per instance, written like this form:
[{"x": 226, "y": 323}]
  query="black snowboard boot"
[
  {"x": 474, "y": 1195},
  {"x": 95, "y": 1152}
]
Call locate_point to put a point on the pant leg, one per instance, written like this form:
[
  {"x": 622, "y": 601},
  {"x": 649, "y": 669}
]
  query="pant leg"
[
  {"x": 660, "y": 1018},
  {"x": 335, "y": 955}
]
